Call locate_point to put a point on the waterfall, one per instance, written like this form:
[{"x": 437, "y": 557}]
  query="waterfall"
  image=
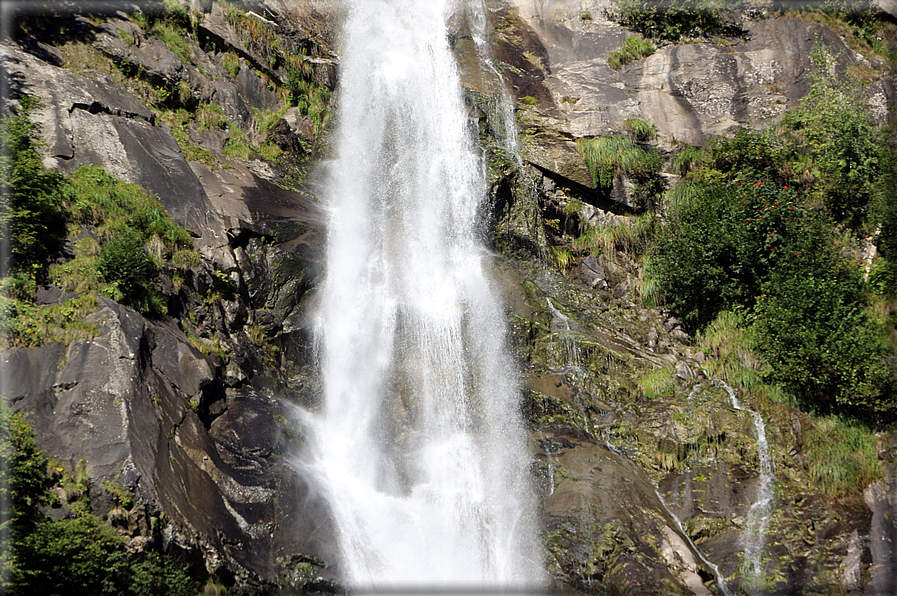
[{"x": 419, "y": 442}]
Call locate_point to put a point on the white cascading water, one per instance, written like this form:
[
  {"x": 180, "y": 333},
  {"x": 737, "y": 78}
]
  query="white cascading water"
[
  {"x": 754, "y": 535},
  {"x": 420, "y": 442}
]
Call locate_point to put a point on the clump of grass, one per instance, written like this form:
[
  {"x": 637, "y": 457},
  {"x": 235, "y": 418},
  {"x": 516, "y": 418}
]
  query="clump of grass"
[
  {"x": 563, "y": 257},
  {"x": 841, "y": 456},
  {"x": 657, "y": 382},
  {"x": 639, "y": 130},
  {"x": 269, "y": 151},
  {"x": 633, "y": 49},
  {"x": 237, "y": 146},
  {"x": 175, "y": 40},
  {"x": 209, "y": 116},
  {"x": 608, "y": 156},
  {"x": 231, "y": 63},
  {"x": 28, "y": 325},
  {"x": 265, "y": 119},
  {"x": 729, "y": 347},
  {"x": 690, "y": 159},
  {"x": 631, "y": 235}
]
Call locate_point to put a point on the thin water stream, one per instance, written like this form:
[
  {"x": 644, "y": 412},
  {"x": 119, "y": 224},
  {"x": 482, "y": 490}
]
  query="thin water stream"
[{"x": 754, "y": 535}]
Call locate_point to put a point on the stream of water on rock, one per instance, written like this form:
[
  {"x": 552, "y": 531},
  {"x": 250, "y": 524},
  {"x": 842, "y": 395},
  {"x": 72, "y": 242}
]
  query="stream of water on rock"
[
  {"x": 420, "y": 442},
  {"x": 754, "y": 535}
]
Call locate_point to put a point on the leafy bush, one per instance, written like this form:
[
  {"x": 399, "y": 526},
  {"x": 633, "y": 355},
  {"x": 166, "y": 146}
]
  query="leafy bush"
[
  {"x": 670, "y": 20},
  {"x": 689, "y": 159},
  {"x": 812, "y": 329},
  {"x": 231, "y": 63},
  {"x": 80, "y": 555},
  {"x": 124, "y": 262},
  {"x": 633, "y": 49},
  {"x": 844, "y": 147}
]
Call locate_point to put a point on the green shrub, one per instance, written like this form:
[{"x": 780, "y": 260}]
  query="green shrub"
[
  {"x": 231, "y": 63},
  {"x": 79, "y": 554},
  {"x": 689, "y": 159},
  {"x": 124, "y": 263},
  {"x": 658, "y": 382},
  {"x": 718, "y": 249},
  {"x": 633, "y": 49},
  {"x": 669, "y": 20},
  {"x": 844, "y": 146},
  {"x": 812, "y": 329},
  {"x": 32, "y": 222}
]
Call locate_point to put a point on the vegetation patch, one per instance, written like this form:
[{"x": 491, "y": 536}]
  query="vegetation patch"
[
  {"x": 670, "y": 20},
  {"x": 841, "y": 456},
  {"x": 633, "y": 49},
  {"x": 79, "y": 554},
  {"x": 763, "y": 227}
]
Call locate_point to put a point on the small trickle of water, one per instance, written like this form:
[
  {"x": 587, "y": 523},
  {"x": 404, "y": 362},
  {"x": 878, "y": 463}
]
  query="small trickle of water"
[
  {"x": 719, "y": 576},
  {"x": 567, "y": 343},
  {"x": 754, "y": 535}
]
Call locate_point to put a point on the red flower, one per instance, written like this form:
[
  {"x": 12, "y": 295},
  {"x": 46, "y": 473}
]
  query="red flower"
[{"x": 786, "y": 188}]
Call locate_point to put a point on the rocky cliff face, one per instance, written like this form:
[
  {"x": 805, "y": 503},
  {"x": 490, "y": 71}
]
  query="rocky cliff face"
[{"x": 644, "y": 487}]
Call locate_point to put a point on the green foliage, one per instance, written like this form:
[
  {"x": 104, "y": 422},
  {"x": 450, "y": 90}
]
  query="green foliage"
[
  {"x": 609, "y": 156},
  {"x": 751, "y": 231},
  {"x": 237, "y": 148},
  {"x": 311, "y": 99},
  {"x": 633, "y": 49},
  {"x": 812, "y": 330},
  {"x": 632, "y": 235},
  {"x": 25, "y": 324},
  {"x": 670, "y": 20},
  {"x": 689, "y": 159},
  {"x": 845, "y": 148},
  {"x": 639, "y": 130},
  {"x": 125, "y": 263},
  {"x": 171, "y": 23},
  {"x": 720, "y": 248},
  {"x": 658, "y": 382},
  {"x": 116, "y": 206},
  {"x": 32, "y": 223},
  {"x": 728, "y": 341},
  {"x": 841, "y": 456},
  {"x": 231, "y": 63},
  {"x": 157, "y": 574},
  {"x": 78, "y": 554},
  {"x": 750, "y": 153}
]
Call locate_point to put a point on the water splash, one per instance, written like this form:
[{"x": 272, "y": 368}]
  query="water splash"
[{"x": 420, "y": 442}]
